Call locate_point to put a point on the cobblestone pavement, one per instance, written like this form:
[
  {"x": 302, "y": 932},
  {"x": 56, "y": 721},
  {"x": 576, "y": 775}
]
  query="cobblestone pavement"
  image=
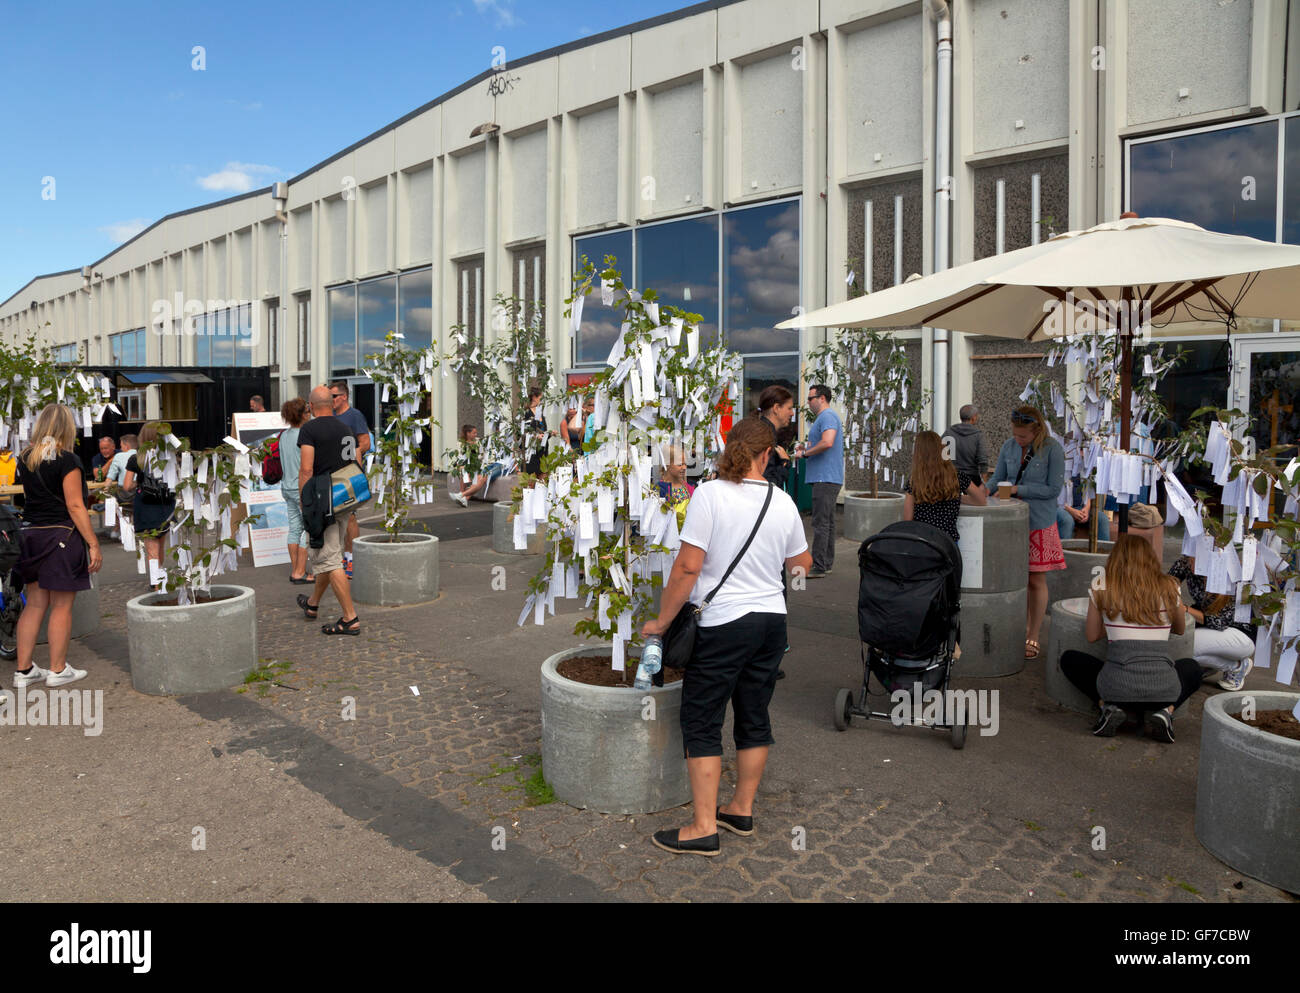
[{"x": 442, "y": 772}]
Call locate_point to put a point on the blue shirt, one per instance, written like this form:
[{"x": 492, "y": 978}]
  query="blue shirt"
[{"x": 827, "y": 466}]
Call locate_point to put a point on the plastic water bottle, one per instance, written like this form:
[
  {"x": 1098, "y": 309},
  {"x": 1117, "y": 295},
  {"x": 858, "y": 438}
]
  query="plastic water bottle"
[{"x": 652, "y": 660}]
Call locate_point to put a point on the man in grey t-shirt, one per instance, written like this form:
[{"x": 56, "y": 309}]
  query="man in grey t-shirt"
[
  {"x": 356, "y": 423},
  {"x": 969, "y": 451}
]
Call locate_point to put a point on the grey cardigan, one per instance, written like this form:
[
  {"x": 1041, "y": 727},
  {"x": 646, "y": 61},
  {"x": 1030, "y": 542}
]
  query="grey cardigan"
[{"x": 1040, "y": 486}]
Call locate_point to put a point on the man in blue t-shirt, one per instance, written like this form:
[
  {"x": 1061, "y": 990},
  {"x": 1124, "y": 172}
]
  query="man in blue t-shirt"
[{"x": 825, "y": 472}]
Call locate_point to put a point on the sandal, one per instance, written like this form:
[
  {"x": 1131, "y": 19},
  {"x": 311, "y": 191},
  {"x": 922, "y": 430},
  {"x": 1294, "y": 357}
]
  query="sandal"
[
  {"x": 302, "y": 580},
  {"x": 1031, "y": 650},
  {"x": 307, "y": 606},
  {"x": 343, "y": 627}
]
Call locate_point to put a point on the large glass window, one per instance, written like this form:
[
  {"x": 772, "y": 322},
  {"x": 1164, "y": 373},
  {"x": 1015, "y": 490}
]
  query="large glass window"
[
  {"x": 761, "y": 277},
  {"x": 222, "y": 335},
  {"x": 600, "y": 324},
  {"x": 415, "y": 307},
  {"x": 202, "y": 340},
  {"x": 127, "y": 348},
  {"x": 679, "y": 260},
  {"x": 762, "y": 371},
  {"x": 1223, "y": 179},
  {"x": 342, "y": 304},
  {"x": 1291, "y": 189},
  {"x": 304, "y": 329},
  {"x": 376, "y": 315}
]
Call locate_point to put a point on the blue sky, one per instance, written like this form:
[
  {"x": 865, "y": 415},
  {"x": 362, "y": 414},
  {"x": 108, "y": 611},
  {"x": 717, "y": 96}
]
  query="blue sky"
[{"x": 103, "y": 98}]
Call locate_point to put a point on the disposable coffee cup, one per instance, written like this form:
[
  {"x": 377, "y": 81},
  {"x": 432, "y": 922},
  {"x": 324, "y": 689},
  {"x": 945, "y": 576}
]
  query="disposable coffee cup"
[{"x": 1004, "y": 491}]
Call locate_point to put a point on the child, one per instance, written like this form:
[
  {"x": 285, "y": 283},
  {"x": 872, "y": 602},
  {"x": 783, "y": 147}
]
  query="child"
[{"x": 936, "y": 490}]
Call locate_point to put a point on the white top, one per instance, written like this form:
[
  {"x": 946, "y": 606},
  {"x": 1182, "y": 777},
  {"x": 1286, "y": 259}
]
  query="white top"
[
  {"x": 1121, "y": 630},
  {"x": 719, "y": 519}
]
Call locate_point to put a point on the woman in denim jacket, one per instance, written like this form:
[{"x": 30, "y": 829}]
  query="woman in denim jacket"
[{"x": 1034, "y": 464}]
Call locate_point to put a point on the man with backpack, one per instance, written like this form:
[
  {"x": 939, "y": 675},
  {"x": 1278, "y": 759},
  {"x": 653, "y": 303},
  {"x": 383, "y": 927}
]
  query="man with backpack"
[{"x": 326, "y": 444}]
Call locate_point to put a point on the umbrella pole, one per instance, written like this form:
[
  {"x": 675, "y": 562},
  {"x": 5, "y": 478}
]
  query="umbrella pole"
[{"x": 1125, "y": 407}]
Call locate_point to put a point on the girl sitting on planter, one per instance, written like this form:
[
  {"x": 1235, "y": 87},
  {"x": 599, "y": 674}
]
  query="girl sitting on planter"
[
  {"x": 741, "y": 634},
  {"x": 1222, "y": 646},
  {"x": 1135, "y": 610},
  {"x": 936, "y": 489},
  {"x": 489, "y": 474}
]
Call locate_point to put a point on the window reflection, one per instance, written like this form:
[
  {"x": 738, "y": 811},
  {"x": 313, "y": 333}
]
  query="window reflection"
[
  {"x": 202, "y": 341},
  {"x": 679, "y": 260},
  {"x": 600, "y": 324},
  {"x": 1291, "y": 189},
  {"x": 342, "y": 304},
  {"x": 415, "y": 308},
  {"x": 376, "y": 315},
  {"x": 770, "y": 370},
  {"x": 761, "y": 278},
  {"x": 1203, "y": 178}
]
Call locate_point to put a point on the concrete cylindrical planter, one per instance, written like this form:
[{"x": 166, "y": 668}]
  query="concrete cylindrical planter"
[
  {"x": 599, "y": 751},
  {"x": 992, "y": 634},
  {"x": 503, "y": 533},
  {"x": 1248, "y": 790},
  {"x": 994, "y": 550},
  {"x": 85, "y": 616},
  {"x": 865, "y": 515},
  {"x": 394, "y": 573},
  {"x": 994, "y": 546},
  {"x": 1068, "y": 617},
  {"x": 198, "y": 648},
  {"x": 1076, "y": 579}
]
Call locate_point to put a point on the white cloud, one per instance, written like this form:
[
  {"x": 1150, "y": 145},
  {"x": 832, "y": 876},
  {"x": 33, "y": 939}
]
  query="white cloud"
[
  {"x": 236, "y": 177},
  {"x": 125, "y": 230},
  {"x": 503, "y": 10}
]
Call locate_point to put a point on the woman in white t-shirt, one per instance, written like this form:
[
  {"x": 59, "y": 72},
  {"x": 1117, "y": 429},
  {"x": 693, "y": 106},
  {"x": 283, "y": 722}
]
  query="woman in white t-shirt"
[{"x": 741, "y": 632}]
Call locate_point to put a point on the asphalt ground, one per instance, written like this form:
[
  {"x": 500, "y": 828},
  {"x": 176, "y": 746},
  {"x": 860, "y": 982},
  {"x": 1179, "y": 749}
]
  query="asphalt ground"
[{"x": 431, "y": 791}]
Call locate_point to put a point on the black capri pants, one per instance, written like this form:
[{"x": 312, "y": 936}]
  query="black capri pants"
[{"x": 736, "y": 661}]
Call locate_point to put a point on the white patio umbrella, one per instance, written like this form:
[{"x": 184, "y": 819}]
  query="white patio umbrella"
[{"x": 1188, "y": 277}]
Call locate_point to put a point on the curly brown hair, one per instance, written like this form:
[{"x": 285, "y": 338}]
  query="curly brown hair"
[{"x": 748, "y": 439}]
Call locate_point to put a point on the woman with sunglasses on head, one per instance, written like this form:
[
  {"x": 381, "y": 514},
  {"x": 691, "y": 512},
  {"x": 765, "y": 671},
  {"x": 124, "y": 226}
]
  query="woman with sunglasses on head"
[{"x": 1034, "y": 464}]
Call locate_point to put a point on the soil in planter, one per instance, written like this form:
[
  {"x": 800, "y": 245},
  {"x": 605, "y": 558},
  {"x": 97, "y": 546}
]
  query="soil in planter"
[
  {"x": 172, "y": 600},
  {"x": 1279, "y": 722},
  {"x": 868, "y": 496},
  {"x": 595, "y": 670},
  {"x": 384, "y": 539}
]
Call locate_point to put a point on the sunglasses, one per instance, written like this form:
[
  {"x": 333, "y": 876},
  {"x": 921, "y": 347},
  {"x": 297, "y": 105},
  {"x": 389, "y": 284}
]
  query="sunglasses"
[
  {"x": 1023, "y": 419},
  {"x": 336, "y": 396}
]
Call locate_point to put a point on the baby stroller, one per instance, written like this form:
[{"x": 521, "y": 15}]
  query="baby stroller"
[
  {"x": 909, "y": 611},
  {"x": 11, "y": 587}
]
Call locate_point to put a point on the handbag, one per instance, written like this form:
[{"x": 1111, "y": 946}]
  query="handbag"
[
  {"x": 349, "y": 489},
  {"x": 679, "y": 639}
]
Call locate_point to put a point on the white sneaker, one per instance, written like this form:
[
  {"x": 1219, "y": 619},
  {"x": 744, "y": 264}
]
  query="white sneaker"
[
  {"x": 34, "y": 676},
  {"x": 68, "y": 675},
  {"x": 461, "y": 499},
  {"x": 1235, "y": 677}
]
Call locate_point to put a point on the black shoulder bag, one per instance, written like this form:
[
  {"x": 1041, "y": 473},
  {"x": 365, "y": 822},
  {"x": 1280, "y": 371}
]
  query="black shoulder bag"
[{"x": 679, "y": 639}]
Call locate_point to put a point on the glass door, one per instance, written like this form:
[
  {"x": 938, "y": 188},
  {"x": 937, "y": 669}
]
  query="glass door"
[{"x": 1268, "y": 389}]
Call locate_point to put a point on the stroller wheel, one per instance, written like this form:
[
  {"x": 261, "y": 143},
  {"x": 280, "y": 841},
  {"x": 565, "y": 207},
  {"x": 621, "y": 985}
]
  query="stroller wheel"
[
  {"x": 959, "y": 736},
  {"x": 843, "y": 714},
  {"x": 8, "y": 652}
]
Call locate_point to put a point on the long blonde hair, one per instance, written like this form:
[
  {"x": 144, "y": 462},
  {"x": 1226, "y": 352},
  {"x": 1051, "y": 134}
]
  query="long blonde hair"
[
  {"x": 1136, "y": 586},
  {"x": 55, "y": 432},
  {"x": 934, "y": 478}
]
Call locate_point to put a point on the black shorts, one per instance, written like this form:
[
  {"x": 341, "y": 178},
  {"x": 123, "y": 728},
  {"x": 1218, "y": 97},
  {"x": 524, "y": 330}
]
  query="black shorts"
[
  {"x": 737, "y": 661},
  {"x": 55, "y": 557}
]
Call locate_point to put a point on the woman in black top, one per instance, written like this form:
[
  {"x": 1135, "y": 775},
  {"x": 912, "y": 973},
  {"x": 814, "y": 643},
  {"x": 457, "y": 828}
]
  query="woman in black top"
[
  {"x": 936, "y": 490},
  {"x": 59, "y": 547},
  {"x": 776, "y": 406},
  {"x": 149, "y": 516},
  {"x": 535, "y": 426}
]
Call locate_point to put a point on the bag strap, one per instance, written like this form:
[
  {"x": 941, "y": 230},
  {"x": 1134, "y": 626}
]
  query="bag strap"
[
  {"x": 1024, "y": 464},
  {"x": 741, "y": 554}
]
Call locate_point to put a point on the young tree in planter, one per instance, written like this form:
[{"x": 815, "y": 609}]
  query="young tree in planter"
[
  {"x": 406, "y": 377},
  {"x": 610, "y": 536},
  {"x": 871, "y": 375},
  {"x": 30, "y": 379},
  {"x": 209, "y": 485},
  {"x": 499, "y": 375},
  {"x": 1092, "y": 423}
]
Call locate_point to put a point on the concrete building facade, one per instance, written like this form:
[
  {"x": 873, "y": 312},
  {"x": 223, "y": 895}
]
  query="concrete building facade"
[{"x": 746, "y": 158}]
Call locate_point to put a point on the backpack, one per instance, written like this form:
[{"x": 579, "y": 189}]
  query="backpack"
[
  {"x": 10, "y": 546},
  {"x": 272, "y": 470},
  {"x": 153, "y": 490}
]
